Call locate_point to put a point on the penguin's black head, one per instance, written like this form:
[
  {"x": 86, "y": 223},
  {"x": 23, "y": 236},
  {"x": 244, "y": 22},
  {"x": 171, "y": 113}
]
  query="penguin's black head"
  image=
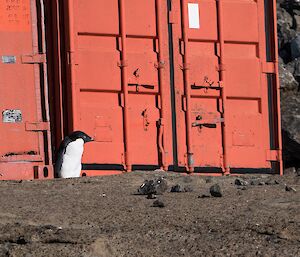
[{"x": 79, "y": 134}]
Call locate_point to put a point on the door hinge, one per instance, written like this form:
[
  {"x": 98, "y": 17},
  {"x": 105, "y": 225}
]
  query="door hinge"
[
  {"x": 34, "y": 58},
  {"x": 274, "y": 155},
  {"x": 37, "y": 126},
  {"x": 269, "y": 67}
]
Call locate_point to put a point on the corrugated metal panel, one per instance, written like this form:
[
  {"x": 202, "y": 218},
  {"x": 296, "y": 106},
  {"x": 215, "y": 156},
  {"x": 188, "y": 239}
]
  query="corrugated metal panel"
[
  {"x": 24, "y": 127},
  {"x": 220, "y": 89},
  {"x": 183, "y": 85}
]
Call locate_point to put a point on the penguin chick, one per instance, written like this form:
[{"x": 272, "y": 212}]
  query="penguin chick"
[{"x": 68, "y": 161}]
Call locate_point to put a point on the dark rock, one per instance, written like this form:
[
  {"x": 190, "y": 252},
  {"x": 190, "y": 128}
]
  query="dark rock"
[
  {"x": 296, "y": 20},
  {"x": 295, "y": 48},
  {"x": 298, "y": 172},
  {"x": 158, "y": 204},
  {"x": 289, "y": 5},
  {"x": 21, "y": 241},
  {"x": 157, "y": 187},
  {"x": 294, "y": 68},
  {"x": 215, "y": 190},
  {"x": 271, "y": 182},
  {"x": 203, "y": 196},
  {"x": 287, "y": 80},
  {"x": 177, "y": 189},
  {"x": 290, "y": 189},
  {"x": 286, "y": 33},
  {"x": 240, "y": 182},
  {"x": 257, "y": 182},
  {"x": 290, "y": 171},
  {"x": 151, "y": 196},
  {"x": 254, "y": 182},
  {"x": 208, "y": 180},
  {"x": 290, "y": 117}
]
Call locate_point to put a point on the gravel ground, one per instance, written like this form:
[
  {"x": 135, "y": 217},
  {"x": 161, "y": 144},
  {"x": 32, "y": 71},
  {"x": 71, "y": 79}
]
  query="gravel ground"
[{"x": 104, "y": 216}]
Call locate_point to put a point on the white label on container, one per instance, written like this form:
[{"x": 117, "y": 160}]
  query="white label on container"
[
  {"x": 194, "y": 17},
  {"x": 11, "y": 116},
  {"x": 9, "y": 59}
]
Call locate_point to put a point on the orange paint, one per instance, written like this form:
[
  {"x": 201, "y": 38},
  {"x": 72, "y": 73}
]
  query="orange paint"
[
  {"x": 181, "y": 83},
  {"x": 15, "y": 15}
]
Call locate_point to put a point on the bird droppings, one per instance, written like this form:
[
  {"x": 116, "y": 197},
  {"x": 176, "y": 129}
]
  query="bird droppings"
[{"x": 215, "y": 191}]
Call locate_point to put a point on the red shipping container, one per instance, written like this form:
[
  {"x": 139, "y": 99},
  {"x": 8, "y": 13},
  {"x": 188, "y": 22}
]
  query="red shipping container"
[{"x": 183, "y": 85}]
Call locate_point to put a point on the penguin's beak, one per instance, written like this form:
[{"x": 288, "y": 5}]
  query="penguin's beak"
[{"x": 92, "y": 139}]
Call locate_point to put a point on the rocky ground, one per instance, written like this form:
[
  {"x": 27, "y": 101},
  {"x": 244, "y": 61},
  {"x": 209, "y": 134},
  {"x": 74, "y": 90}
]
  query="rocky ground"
[
  {"x": 179, "y": 215},
  {"x": 106, "y": 216},
  {"x": 288, "y": 14}
]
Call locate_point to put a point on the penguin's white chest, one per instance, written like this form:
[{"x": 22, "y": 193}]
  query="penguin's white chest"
[{"x": 71, "y": 166}]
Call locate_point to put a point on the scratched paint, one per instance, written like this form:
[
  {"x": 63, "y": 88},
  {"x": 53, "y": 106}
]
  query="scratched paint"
[{"x": 15, "y": 15}]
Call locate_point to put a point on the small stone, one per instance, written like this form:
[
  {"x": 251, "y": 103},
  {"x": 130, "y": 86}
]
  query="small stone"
[
  {"x": 261, "y": 183},
  {"x": 215, "y": 190},
  {"x": 290, "y": 189},
  {"x": 269, "y": 182},
  {"x": 177, "y": 189},
  {"x": 154, "y": 186},
  {"x": 254, "y": 182},
  {"x": 289, "y": 171},
  {"x": 158, "y": 204},
  {"x": 151, "y": 196},
  {"x": 240, "y": 182},
  {"x": 188, "y": 189},
  {"x": 208, "y": 180}
]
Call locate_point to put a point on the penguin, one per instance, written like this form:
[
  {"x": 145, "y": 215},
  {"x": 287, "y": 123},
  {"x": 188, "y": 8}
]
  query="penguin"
[{"x": 69, "y": 155}]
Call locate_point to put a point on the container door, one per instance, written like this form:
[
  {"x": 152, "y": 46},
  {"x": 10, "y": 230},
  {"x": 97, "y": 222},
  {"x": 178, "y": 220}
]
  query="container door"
[
  {"x": 24, "y": 128},
  {"x": 118, "y": 80},
  {"x": 221, "y": 86}
]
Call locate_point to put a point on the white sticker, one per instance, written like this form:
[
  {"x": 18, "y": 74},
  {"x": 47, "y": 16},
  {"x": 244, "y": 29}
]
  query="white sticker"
[{"x": 194, "y": 17}]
